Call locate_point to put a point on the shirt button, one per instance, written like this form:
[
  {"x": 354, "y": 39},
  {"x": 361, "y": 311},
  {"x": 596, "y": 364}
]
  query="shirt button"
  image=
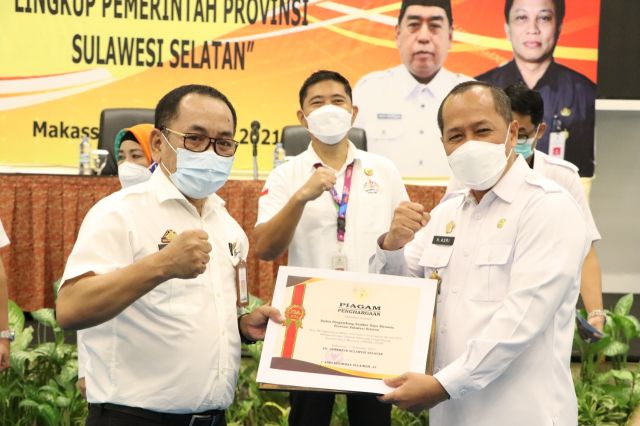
[
  {"x": 454, "y": 290},
  {"x": 465, "y": 253},
  {"x": 443, "y": 330},
  {"x": 421, "y": 132},
  {"x": 477, "y": 216},
  {"x": 422, "y": 106}
]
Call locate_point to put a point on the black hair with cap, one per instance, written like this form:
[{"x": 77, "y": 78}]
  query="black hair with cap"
[{"x": 445, "y": 4}]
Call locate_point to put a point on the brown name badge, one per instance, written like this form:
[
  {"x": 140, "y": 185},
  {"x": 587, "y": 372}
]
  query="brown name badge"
[{"x": 242, "y": 289}]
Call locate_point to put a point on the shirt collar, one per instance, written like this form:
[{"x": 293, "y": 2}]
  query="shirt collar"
[
  {"x": 166, "y": 190},
  {"x": 549, "y": 78},
  {"x": 407, "y": 84},
  {"x": 509, "y": 184},
  {"x": 311, "y": 157}
]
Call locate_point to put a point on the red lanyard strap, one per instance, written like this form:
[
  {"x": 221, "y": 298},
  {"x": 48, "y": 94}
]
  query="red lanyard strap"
[{"x": 341, "y": 204}]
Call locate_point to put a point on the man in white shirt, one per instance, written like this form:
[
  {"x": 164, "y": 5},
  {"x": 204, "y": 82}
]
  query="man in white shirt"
[
  {"x": 527, "y": 108},
  {"x": 7, "y": 335},
  {"x": 508, "y": 277},
  {"x": 398, "y": 106},
  {"x": 327, "y": 206},
  {"x": 152, "y": 278}
]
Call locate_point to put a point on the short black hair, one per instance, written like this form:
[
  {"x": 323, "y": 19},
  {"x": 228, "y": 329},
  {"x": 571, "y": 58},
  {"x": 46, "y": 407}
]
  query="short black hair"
[
  {"x": 525, "y": 101},
  {"x": 500, "y": 100},
  {"x": 558, "y": 5},
  {"x": 444, "y": 4},
  {"x": 167, "y": 108},
  {"x": 323, "y": 75}
]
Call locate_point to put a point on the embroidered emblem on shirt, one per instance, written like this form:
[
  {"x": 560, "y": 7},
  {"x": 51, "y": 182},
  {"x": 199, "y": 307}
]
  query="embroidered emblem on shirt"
[
  {"x": 166, "y": 238},
  {"x": 368, "y": 171},
  {"x": 371, "y": 186},
  {"x": 501, "y": 223},
  {"x": 450, "y": 227},
  {"x": 565, "y": 112}
]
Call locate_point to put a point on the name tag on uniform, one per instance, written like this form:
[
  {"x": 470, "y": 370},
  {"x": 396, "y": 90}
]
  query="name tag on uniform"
[
  {"x": 442, "y": 240},
  {"x": 386, "y": 116}
]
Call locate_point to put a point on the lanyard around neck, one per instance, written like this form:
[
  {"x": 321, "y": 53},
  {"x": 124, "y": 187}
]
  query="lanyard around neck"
[{"x": 341, "y": 203}]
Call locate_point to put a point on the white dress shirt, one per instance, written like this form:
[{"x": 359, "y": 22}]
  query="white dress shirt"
[
  {"x": 400, "y": 114},
  {"x": 372, "y": 200},
  {"x": 4, "y": 239},
  {"x": 177, "y": 348},
  {"x": 505, "y": 312},
  {"x": 564, "y": 174}
]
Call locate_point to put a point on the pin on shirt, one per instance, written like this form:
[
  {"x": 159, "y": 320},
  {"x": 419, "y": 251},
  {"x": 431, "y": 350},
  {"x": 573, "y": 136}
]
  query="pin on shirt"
[
  {"x": 166, "y": 238},
  {"x": 370, "y": 185}
]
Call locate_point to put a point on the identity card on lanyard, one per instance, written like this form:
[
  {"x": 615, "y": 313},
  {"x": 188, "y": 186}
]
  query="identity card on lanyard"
[
  {"x": 242, "y": 288},
  {"x": 339, "y": 259}
]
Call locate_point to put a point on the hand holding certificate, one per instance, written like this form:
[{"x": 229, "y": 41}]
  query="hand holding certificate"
[{"x": 346, "y": 331}]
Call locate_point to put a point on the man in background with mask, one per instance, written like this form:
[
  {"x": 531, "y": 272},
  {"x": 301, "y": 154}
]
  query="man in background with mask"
[
  {"x": 327, "y": 206},
  {"x": 153, "y": 278},
  {"x": 398, "y": 106},
  {"x": 507, "y": 252},
  {"x": 528, "y": 109}
]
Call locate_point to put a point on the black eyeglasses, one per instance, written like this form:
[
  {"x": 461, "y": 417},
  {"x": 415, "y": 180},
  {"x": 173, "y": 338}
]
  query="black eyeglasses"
[{"x": 196, "y": 142}]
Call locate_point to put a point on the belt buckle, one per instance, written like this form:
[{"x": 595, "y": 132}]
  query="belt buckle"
[{"x": 199, "y": 420}]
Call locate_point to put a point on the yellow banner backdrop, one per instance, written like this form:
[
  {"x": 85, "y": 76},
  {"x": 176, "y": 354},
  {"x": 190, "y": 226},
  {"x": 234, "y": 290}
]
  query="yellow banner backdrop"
[{"x": 64, "y": 61}]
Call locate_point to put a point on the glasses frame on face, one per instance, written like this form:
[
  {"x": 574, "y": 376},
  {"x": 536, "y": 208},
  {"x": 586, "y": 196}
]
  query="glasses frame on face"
[{"x": 199, "y": 146}]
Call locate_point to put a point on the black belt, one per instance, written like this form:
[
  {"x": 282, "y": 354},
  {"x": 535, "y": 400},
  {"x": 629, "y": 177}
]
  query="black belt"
[{"x": 205, "y": 418}]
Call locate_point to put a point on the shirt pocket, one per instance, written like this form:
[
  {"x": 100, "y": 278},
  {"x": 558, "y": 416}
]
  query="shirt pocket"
[
  {"x": 178, "y": 297},
  {"x": 492, "y": 268},
  {"x": 387, "y": 128}
]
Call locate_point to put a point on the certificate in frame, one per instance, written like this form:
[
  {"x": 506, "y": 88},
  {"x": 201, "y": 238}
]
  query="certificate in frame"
[{"x": 346, "y": 331}]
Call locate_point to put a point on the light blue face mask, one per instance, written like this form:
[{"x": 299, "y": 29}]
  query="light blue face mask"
[
  {"x": 199, "y": 174},
  {"x": 524, "y": 146}
]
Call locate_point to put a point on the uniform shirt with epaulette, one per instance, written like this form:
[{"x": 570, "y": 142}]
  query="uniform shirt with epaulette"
[
  {"x": 564, "y": 174},
  {"x": 510, "y": 282}
]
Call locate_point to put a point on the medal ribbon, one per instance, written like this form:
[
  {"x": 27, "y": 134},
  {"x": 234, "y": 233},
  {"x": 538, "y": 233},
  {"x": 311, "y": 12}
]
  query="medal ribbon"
[{"x": 293, "y": 320}]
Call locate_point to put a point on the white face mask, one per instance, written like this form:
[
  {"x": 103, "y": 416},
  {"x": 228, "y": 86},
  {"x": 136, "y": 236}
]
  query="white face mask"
[
  {"x": 329, "y": 123},
  {"x": 479, "y": 165},
  {"x": 131, "y": 173}
]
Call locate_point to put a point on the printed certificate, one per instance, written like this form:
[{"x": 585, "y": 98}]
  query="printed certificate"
[{"x": 346, "y": 331}]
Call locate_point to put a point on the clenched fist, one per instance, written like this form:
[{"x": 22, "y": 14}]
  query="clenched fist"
[
  {"x": 323, "y": 179},
  {"x": 408, "y": 218},
  {"x": 187, "y": 255}
]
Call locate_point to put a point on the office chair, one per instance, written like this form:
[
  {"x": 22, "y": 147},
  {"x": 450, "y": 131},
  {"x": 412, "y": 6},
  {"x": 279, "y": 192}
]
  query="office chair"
[
  {"x": 113, "y": 120},
  {"x": 295, "y": 139}
]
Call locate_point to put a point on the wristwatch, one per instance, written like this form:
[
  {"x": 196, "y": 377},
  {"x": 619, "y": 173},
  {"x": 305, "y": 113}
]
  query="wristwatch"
[
  {"x": 8, "y": 334},
  {"x": 598, "y": 313}
]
